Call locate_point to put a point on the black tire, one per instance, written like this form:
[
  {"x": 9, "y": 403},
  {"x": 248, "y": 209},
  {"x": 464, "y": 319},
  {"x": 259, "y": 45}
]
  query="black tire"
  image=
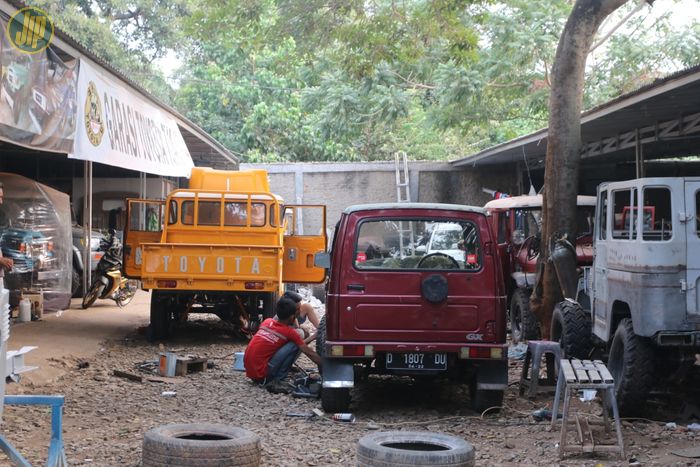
[
  {"x": 413, "y": 448},
  {"x": 92, "y": 294},
  {"x": 332, "y": 399},
  {"x": 631, "y": 363},
  {"x": 524, "y": 325},
  {"x": 482, "y": 399},
  {"x": 318, "y": 291},
  {"x": 571, "y": 327},
  {"x": 159, "y": 328},
  {"x": 76, "y": 283},
  {"x": 269, "y": 303},
  {"x": 126, "y": 293},
  {"x": 199, "y": 444}
]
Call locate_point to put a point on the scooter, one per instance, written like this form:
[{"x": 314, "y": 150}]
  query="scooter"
[{"x": 108, "y": 281}]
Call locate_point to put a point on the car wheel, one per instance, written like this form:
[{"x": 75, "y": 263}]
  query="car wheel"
[
  {"x": 524, "y": 326},
  {"x": 571, "y": 327},
  {"x": 199, "y": 444},
  {"x": 160, "y": 318},
  {"x": 631, "y": 363},
  {"x": 413, "y": 448},
  {"x": 76, "y": 284},
  {"x": 482, "y": 399}
]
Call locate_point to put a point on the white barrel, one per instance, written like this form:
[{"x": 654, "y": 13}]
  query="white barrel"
[{"x": 25, "y": 310}]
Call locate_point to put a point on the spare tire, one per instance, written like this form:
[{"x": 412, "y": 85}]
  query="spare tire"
[
  {"x": 200, "y": 444},
  {"x": 409, "y": 448}
]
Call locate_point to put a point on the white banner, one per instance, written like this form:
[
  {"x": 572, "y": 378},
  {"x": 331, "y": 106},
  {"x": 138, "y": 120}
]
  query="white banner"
[{"x": 120, "y": 127}]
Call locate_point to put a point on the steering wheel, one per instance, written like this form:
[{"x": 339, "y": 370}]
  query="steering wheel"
[
  {"x": 533, "y": 246},
  {"x": 453, "y": 263}
]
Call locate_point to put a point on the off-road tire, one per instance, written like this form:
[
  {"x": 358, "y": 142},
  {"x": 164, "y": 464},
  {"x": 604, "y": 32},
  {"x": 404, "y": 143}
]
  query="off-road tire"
[
  {"x": 198, "y": 444},
  {"x": 413, "y": 448},
  {"x": 524, "y": 325},
  {"x": 332, "y": 399},
  {"x": 159, "y": 328},
  {"x": 76, "y": 283},
  {"x": 571, "y": 327},
  {"x": 482, "y": 399},
  {"x": 631, "y": 363},
  {"x": 92, "y": 294}
]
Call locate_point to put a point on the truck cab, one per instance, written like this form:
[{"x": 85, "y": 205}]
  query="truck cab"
[
  {"x": 225, "y": 245},
  {"x": 395, "y": 307}
]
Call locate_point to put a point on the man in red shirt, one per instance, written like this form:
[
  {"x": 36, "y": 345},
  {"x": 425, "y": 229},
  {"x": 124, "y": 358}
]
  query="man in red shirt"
[{"x": 275, "y": 347}]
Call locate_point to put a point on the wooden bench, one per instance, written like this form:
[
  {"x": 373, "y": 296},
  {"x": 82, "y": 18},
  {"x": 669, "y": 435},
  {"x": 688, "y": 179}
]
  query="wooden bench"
[{"x": 576, "y": 375}]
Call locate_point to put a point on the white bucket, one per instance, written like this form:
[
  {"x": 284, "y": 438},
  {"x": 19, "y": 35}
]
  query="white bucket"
[
  {"x": 25, "y": 310},
  {"x": 238, "y": 361}
]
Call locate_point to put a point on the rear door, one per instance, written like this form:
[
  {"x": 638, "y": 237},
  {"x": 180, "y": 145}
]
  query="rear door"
[
  {"x": 144, "y": 225},
  {"x": 305, "y": 235},
  {"x": 692, "y": 213},
  {"x": 385, "y": 292}
]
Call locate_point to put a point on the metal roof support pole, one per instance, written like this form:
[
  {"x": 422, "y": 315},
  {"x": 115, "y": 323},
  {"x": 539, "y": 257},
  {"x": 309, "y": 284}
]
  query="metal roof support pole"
[
  {"x": 638, "y": 154},
  {"x": 87, "y": 224}
]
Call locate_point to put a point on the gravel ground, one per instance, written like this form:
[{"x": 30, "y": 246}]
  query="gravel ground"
[{"x": 106, "y": 416}]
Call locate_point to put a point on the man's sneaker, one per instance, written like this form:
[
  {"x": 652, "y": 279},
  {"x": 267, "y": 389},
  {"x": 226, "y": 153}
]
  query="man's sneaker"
[{"x": 278, "y": 387}]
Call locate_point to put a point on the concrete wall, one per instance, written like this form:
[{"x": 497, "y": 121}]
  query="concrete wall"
[{"x": 338, "y": 185}]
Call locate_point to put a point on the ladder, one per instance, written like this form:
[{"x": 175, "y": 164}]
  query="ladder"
[
  {"x": 403, "y": 190},
  {"x": 403, "y": 195}
]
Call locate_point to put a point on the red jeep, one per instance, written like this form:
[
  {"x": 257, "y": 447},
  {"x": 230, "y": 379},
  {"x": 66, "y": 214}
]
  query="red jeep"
[
  {"x": 517, "y": 222},
  {"x": 415, "y": 289}
]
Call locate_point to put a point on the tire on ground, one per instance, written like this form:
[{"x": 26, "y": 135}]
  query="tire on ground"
[
  {"x": 571, "y": 327},
  {"x": 332, "y": 399},
  {"x": 413, "y": 448},
  {"x": 76, "y": 283},
  {"x": 631, "y": 363},
  {"x": 199, "y": 444},
  {"x": 523, "y": 323},
  {"x": 482, "y": 399},
  {"x": 160, "y": 318}
]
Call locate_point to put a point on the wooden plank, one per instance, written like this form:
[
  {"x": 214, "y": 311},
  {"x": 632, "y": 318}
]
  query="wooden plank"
[
  {"x": 587, "y": 436},
  {"x": 129, "y": 376},
  {"x": 189, "y": 365},
  {"x": 581, "y": 373},
  {"x": 604, "y": 372},
  {"x": 579, "y": 429},
  {"x": 568, "y": 370},
  {"x": 594, "y": 376}
]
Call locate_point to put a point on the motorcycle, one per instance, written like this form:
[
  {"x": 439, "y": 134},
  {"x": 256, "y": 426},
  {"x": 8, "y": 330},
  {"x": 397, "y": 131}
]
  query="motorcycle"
[{"x": 108, "y": 281}]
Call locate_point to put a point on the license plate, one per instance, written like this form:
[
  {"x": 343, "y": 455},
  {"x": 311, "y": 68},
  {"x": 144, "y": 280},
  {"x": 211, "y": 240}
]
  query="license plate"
[{"x": 416, "y": 361}]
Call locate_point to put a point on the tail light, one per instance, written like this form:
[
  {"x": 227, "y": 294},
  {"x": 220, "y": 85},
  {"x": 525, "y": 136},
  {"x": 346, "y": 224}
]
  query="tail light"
[
  {"x": 254, "y": 285},
  {"x": 481, "y": 352},
  {"x": 352, "y": 350},
  {"x": 49, "y": 246},
  {"x": 166, "y": 284},
  {"x": 23, "y": 247}
]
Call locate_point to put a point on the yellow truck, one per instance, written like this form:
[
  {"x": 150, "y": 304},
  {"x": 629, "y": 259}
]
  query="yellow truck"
[{"x": 226, "y": 245}]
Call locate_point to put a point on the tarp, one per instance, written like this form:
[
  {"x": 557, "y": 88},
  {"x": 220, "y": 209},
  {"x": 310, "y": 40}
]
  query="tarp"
[
  {"x": 117, "y": 126},
  {"x": 37, "y": 98}
]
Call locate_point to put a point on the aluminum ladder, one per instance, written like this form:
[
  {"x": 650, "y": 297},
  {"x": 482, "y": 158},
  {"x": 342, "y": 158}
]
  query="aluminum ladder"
[{"x": 403, "y": 195}]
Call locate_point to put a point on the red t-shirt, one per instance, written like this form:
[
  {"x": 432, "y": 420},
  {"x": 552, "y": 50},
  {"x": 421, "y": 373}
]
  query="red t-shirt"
[{"x": 271, "y": 336}]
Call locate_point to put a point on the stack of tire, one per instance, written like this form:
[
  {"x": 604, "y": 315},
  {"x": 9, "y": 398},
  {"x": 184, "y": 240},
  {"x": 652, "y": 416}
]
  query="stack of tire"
[{"x": 200, "y": 444}]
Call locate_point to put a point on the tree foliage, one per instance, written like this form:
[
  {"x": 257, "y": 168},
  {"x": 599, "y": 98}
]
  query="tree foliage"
[{"x": 292, "y": 80}]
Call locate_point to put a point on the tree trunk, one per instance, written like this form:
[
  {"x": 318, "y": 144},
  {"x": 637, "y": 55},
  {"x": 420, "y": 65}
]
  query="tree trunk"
[{"x": 564, "y": 144}]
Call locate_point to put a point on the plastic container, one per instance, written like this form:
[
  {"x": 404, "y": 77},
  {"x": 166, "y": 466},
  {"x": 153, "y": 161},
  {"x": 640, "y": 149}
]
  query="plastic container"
[
  {"x": 25, "y": 310},
  {"x": 344, "y": 417},
  {"x": 238, "y": 361}
]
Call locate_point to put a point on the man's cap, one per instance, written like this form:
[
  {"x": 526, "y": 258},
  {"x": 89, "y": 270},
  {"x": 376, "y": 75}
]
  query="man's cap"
[{"x": 292, "y": 296}]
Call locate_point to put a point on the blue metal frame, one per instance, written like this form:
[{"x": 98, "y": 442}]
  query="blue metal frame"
[{"x": 57, "y": 454}]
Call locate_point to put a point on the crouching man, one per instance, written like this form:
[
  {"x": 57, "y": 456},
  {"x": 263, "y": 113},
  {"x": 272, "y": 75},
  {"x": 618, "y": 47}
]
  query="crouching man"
[{"x": 275, "y": 347}]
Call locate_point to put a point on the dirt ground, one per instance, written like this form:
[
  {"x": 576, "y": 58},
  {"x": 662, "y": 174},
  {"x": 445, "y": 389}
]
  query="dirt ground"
[{"x": 106, "y": 416}]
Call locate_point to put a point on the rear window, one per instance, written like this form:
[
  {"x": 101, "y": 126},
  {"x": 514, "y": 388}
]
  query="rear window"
[{"x": 412, "y": 244}]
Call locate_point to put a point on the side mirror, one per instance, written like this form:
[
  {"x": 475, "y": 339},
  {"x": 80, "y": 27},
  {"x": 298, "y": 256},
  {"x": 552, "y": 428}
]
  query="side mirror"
[
  {"x": 420, "y": 249},
  {"x": 518, "y": 237},
  {"x": 322, "y": 259}
]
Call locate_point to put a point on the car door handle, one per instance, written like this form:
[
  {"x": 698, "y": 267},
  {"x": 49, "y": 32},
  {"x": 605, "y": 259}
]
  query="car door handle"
[{"x": 359, "y": 287}]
